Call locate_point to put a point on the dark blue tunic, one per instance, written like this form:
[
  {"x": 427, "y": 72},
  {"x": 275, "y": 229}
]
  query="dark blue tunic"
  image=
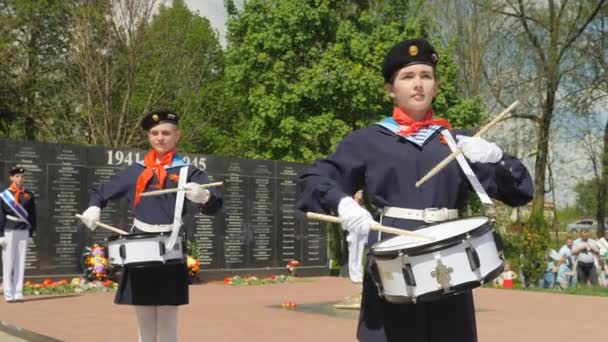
[
  {"x": 157, "y": 285},
  {"x": 28, "y": 203},
  {"x": 387, "y": 166}
]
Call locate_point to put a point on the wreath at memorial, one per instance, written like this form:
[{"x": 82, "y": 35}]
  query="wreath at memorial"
[{"x": 95, "y": 263}]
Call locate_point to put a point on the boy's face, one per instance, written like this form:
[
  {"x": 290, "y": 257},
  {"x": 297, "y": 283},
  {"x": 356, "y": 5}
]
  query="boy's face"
[
  {"x": 18, "y": 179},
  {"x": 163, "y": 137}
]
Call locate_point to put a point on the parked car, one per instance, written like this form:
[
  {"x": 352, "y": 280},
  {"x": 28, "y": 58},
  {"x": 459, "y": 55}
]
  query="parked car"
[{"x": 590, "y": 224}]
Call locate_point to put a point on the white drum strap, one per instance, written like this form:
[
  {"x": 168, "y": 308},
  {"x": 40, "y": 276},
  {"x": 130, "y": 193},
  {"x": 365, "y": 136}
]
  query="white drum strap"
[
  {"x": 468, "y": 172},
  {"x": 179, "y": 205}
]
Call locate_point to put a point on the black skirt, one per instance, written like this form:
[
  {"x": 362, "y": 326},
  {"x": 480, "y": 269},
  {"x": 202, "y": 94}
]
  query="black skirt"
[
  {"x": 153, "y": 285},
  {"x": 447, "y": 320}
]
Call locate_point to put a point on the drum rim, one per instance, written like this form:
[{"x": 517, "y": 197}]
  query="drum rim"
[
  {"x": 134, "y": 236},
  {"x": 433, "y": 246}
]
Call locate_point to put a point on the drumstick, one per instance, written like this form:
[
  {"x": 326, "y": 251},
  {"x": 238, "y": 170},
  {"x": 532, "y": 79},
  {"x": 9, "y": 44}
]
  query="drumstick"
[
  {"x": 107, "y": 226},
  {"x": 167, "y": 191},
  {"x": 455, "y": 154},
  {"x": 378, "y": 227}
]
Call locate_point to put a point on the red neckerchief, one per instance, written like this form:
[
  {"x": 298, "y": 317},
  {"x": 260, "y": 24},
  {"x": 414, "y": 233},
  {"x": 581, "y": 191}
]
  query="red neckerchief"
[
  {"x": 18, "y": 192},
  {"x": 404, "y": 119},
  {"x": 151, "y": 164}
]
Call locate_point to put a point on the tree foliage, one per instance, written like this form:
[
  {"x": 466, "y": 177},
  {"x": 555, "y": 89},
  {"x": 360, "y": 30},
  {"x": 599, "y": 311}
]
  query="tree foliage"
[
  {"x": 33, "y": 49},
  {"x": 129, "y": 61},
  {"x": 308, "y": 72}
]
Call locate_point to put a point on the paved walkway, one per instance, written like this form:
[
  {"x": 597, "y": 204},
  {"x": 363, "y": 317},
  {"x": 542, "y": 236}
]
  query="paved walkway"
[{"x": 219, "y": 312}]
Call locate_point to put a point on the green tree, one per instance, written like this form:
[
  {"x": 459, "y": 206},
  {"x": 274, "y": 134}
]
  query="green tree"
[
  {"x": 308, "y": 72},
  {"x": 33, "y": 50},
  {"x": 127, "y": 61},
  {"x": 586, "y": 197}
]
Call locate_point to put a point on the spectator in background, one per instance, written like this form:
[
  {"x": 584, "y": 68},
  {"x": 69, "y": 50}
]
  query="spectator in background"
[
  {"x": 566, "y": 252},
  {"x": 603, "y": 273},
  {"x": 508, "y": 276},
  {"x": 587, "y": 254},
  {"x": 565, "y": 274},
  {"x": 548, "y": 279}
]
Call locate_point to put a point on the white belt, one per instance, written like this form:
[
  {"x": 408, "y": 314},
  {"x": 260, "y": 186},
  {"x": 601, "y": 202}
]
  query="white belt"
[
  {"x": 152, "y": 228},
  {"x": 14, "y": 218},
  {"x": 427, "y": 215}
]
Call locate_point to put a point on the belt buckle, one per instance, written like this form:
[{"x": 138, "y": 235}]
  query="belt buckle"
[{"x": 430, "y": 215}]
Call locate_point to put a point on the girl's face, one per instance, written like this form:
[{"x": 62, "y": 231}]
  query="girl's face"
[
  {"x": 163, "y": 137},
  {"x": 414, "y": 89},
  {"x": 507, "y": 267}
]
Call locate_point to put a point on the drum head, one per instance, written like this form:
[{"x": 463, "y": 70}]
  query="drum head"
[{"x": 441, "y": 232}]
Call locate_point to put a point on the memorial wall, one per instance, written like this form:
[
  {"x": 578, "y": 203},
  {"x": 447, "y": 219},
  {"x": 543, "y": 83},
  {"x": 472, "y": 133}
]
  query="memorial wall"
[{"x": 258, "y": 227}]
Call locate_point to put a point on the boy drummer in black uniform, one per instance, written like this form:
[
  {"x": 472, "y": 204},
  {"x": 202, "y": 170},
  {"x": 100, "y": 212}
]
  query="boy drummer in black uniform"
[
  {"x": 156, "y": 291},
  {"x": 17, "y": 226},
  {"x": 386, "y": 159}
]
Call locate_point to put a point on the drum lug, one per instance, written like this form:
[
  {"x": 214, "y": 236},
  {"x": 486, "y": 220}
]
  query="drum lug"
[
  {"x": 161, "y": 248},
  {"x": 473, "y": 257},
  {"x": 408, "y": 275},
  {"x": 122, "y": 251}
]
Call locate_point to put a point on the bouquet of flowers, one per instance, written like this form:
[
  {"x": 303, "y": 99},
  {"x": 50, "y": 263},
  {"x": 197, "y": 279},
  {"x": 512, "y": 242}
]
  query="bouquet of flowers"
[
  {"x": 95, "y": 263},
  {"x": 193, "y": 261},
  {"x": 194, "y": 265},
  {"x": 292, "y": 266}
]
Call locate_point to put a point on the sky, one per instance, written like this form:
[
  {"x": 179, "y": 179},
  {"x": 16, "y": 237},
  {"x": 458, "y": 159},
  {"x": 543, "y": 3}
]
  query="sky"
[
  {"x": 574, "y": 163},
  {"x": 214, "y": 11}
]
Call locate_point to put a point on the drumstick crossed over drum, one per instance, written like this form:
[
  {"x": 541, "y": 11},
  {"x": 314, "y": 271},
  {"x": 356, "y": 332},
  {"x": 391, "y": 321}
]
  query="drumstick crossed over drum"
[
  {"x": 455, "y": 154},
  {"x": 377, "y": 227},
  {"x": 151, "y": 193}
]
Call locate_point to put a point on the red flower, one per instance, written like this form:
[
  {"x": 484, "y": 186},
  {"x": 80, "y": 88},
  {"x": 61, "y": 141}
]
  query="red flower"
[
  {"x": 227, "y": 280},
  {"x": 287, "y": 304},
  {"x": 47, "y": 282}
]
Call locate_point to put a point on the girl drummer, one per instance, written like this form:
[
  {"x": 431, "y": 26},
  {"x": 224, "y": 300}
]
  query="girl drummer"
[
  {"x": 155, "y": 305},
  {"x": 386, "y": 159}
]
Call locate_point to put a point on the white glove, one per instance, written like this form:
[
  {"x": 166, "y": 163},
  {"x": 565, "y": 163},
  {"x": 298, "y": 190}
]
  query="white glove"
[
  {"x": 355, "y": 219},
  {"x": 90, "y": 217},
  {"x": 479, "y": 150},
  {"x": 196, "y": 194},
  {"x": 2, "y": 242}
]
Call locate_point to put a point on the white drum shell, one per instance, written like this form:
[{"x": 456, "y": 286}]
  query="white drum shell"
[
  {"x": 423, "y": 265},
  {"x": 143, "y": 250},
  {"x": 455, "y": 257}
]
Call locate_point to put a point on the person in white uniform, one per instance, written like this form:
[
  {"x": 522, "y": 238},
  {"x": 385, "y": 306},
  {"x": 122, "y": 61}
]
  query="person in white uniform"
[{"x": 17, "y": 226}]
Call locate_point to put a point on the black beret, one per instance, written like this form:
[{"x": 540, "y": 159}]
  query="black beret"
[
  {"x": 408, "y": 52},
  {"x": 16, "y": 170},
  {"x": 159, "y": 116}
]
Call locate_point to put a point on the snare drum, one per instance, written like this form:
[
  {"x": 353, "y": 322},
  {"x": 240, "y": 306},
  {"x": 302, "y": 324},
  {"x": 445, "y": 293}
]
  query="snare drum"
[
  {"x": 465, "y": 254},
  {"x": 143, "y": 249}
]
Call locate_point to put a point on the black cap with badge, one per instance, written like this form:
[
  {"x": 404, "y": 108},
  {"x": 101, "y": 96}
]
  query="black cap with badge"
[
  {"x": 408, "y": 52},
  {"x": 157, "y": 117},
  {"x": 16, "y": 170}
]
